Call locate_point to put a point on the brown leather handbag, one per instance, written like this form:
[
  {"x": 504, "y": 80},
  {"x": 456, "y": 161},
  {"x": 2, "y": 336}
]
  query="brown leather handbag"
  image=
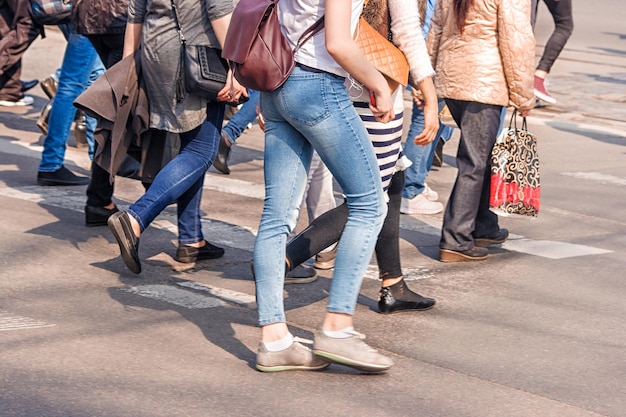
[
  {"x": 260, "y": 56},
  {"x": 382, "y": 54}
]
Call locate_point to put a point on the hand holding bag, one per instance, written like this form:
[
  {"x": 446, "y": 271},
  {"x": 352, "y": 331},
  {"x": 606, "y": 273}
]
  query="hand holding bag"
[
  {"x": 515, "y": 185},
  {"x": 202, "y": 70}
]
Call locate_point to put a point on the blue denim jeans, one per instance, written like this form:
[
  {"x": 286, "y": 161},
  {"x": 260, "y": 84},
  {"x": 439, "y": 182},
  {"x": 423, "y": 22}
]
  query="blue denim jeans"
[
  {"x": 245, "y": 115},
  {"x": 420, "y": 156},
  {"x": 312, "y": 110},
  {"x": 181, "y": 180},
  {"x": 81, "y": 66}
]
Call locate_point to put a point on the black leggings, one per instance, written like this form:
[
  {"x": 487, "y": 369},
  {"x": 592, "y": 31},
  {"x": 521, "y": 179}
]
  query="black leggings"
[
  {"x": 327, "y": 228},
  {"x": 561, "y": 11}
]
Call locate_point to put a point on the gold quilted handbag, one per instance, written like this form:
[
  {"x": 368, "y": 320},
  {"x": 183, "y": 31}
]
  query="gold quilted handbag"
[{"x": 382, "y": 54}]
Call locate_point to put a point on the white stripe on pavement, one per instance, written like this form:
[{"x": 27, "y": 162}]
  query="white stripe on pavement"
[
  {"x": 243, "y": 238},
  {"x": 9, "y": 321},
  {"x": 597, "y": 177},
  {"x": 175, "y": 296}
]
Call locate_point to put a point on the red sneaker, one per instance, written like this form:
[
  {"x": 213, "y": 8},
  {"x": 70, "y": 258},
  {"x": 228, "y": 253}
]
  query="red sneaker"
[{"x": 541, "y": 92}]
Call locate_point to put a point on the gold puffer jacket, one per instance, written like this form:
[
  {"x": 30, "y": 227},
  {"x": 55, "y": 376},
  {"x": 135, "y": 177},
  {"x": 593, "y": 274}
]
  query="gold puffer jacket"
[{"x": 492, "y": 61}]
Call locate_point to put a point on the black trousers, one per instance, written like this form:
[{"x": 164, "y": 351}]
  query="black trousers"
[{"x": 467, "y": 213}]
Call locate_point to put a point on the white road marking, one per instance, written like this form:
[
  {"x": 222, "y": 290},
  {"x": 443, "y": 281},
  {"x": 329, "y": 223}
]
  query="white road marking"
[
  {"x": 9, "y": 321},
  {"x": 246, "y": 300},
  {"x": 597, "y": 177},
  {"x": 175, "y": 296},
  {"x": 549, "y": 249}
]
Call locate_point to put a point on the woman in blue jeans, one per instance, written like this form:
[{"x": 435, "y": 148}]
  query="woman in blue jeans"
[
  {"x": 198, "y": 122},
  {"x": 312, "y": 110}
]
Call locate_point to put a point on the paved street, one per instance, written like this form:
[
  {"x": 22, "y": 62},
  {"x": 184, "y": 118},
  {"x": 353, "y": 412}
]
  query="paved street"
[{"x": 537, "y": 330}]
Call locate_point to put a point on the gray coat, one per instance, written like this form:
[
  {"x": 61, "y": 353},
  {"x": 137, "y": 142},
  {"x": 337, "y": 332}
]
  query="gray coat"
[{"x": 161, "y": 52}]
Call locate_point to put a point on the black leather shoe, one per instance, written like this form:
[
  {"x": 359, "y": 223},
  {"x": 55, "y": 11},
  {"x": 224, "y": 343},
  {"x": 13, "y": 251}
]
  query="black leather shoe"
[
  {"x": 188, "y": 254},
  {"x": 494, "y": 238},
  {"x": 98, "y": 216},
  {"x": 61, "y": 176},
  {"x": 120, "y": 225},
  {"x": 27, "y": 85},
  {"x": 221, "y": 159},
  {"x": 301, "y": 274},
  {"x": 49, "y": 86},
  {"x": 399, "y": 297},
  {"x": 474, "y": 254}
]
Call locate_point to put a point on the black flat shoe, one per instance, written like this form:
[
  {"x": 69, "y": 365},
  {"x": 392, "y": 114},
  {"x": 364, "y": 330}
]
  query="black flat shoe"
[
  {"x": 474, "y": 254},
  {"x": 61, "y": 176},
  {"x": 98, "y": 216},
  {"x": 27, "y": 85},
  {"x": 494, "y": 238},
  {"x": 399, "y": 297},
  {"x": 188, "y": 254},
  {"x": 221, "y": 159},
  {"x": 120, "y": 225}
]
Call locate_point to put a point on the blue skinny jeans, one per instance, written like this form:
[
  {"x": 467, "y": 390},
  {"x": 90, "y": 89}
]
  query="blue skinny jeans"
[
  {"x": 181, "y": 180},
  {"x": 312, "y": 110}
]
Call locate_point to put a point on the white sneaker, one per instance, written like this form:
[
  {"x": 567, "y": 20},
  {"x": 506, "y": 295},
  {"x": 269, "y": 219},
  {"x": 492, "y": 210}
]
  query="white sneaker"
[
  {"x": 24, "y": 101},
  {"x": 430, "y": 194},
  {"x": 420, "y": 205}
]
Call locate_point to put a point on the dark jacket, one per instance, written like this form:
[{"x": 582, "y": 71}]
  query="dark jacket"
[
  {"x": 118, "y": 100},
  {"x": 17, "y": 32},
  {"x": 100, "y": 17}
]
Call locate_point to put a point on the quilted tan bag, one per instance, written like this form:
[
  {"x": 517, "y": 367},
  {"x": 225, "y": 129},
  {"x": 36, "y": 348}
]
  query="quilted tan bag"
[{"x": 383, "y": 55}]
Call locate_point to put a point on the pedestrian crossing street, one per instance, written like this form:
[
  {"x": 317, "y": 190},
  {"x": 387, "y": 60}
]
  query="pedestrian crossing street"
[{"x": 195, "y": 295}]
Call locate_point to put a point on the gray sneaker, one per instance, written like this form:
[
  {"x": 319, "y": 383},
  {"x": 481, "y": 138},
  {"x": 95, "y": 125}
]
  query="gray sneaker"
[
  {"x": 296, "y": 357},
  {"x": 351, "y": 351}
]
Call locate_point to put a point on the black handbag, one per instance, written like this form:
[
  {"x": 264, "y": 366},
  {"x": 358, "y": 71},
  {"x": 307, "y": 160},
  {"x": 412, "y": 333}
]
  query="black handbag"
[
  {"x": 51, "y": 12},
  {"x": 202, "y": 69},
  {"x": 205, "y": 71}
]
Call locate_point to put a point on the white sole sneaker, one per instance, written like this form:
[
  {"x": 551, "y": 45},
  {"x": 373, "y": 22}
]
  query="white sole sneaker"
[
  {"x": 25, "y": 101},
  {"x": 420, "y": 205}
]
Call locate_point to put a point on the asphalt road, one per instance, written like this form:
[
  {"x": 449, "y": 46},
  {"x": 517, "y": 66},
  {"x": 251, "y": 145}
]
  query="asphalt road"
[{"x": 536, "y": 330}]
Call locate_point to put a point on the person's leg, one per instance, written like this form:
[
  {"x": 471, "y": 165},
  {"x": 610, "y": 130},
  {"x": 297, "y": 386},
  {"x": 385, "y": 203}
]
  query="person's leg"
[
  {"x": 415, "y": 199},
  {"x": 353, "y": 164},
  {"x": 417, "y": 154},
  {"x": 182, "y": 172},
  {"x": 479, "y": 126},
  {"x": 76, "y": 68},
  {"x": 11, "y": 85},
  {"x": 233, "y": 129},
  {"x": 561, "y": 11},
  {"x": 244, "y": 116},
  {"x": 188, "y": 204},
  {"x": 394, "y": 294}
]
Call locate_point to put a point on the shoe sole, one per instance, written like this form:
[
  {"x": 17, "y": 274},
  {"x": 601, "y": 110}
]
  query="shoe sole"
[
  {"x": 116, "y": 226},
  {"x": 483, "y": 243},
  {"x": 453, "y": 256},
  {"x": 543, "y": 97},
  {"x": 420, "y": 212},
  {"x": 281, "y": 368},
  {"x": 95, "y": 224},
  {"x": 301, "y": 280},
  {"x": 55, "y": 182},
  {"x": 324, "y": 266},
  {"x": 405, "y": 310},
  {"x": 194, "y": 259},
  {"x": 342, "y": 360}
]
